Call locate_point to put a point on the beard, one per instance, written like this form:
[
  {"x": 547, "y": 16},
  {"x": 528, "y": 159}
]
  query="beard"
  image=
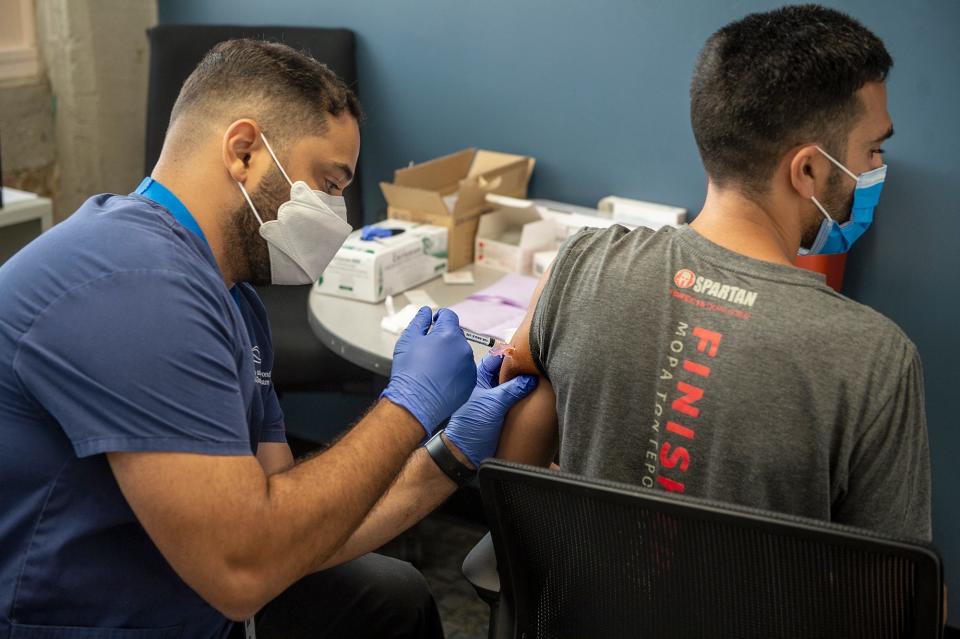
[
  {"x": 249, "y": 256},
  {"x": 838, "y": 200}
]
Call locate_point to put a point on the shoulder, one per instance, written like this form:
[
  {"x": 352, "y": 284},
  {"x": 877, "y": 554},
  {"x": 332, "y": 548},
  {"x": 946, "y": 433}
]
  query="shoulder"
[
  {"x": 113, "y": 238},
  {"x": 601, "y": 245},
  {"x": 119, "y": 232},
  {"x": 863, "y": 329},
  {"x": 614, "y": 236}
]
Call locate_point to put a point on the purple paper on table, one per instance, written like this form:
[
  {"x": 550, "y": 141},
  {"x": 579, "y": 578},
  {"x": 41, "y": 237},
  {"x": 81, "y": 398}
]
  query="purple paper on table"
[{"x": 498, "y": 309}]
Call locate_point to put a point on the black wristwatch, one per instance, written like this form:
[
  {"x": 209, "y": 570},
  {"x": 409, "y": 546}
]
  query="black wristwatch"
[{"x": 452, "y": 467}]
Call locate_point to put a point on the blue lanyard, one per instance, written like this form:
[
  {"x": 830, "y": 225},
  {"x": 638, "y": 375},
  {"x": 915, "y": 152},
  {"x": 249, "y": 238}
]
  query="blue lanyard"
[{"x": 153, "y": 190}]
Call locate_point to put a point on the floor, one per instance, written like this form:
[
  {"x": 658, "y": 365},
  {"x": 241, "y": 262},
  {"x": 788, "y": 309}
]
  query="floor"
[{"x": 437, "y": 547}]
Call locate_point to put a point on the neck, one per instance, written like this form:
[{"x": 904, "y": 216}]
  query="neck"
[
  {"x": 746, "y": 226},
  {"x": 193, "y": 190}
]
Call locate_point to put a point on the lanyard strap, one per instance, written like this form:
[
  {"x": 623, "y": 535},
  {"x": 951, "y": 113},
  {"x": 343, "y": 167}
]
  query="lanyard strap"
[{"x": 153, "y": 190}]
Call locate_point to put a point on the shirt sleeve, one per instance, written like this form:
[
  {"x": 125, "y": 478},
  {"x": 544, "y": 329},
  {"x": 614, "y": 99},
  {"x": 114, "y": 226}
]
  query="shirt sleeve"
[
  {"x": 548, "y": 305},
  {"x": 888, "y": 488},
  {"x": 138, "y": 361},
  {"x": 274, "y": 430}
]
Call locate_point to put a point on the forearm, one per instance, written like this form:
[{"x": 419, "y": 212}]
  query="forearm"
[
  {"x": 419, "y": 489},
  {"x": 311, "y": 509}
]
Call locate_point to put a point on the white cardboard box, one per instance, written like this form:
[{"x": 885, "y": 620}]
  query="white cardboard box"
[
  {"x": 640, "y": 213},
  {"x": 371, "y": 270},
  {"x": 542, "y": 261},
  {"x": 508, "y": 236}
]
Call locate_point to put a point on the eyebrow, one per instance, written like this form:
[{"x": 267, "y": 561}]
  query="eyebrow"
[{"x": 885, "y": 136}]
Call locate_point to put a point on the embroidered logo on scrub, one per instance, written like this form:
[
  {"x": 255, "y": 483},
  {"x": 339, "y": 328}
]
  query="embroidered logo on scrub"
[{"x": 262, "y": 377}]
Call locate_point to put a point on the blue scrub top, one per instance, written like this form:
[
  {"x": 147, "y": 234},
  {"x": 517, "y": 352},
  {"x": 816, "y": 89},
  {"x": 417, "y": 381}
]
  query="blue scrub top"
[{"x": 117, "y": 333}]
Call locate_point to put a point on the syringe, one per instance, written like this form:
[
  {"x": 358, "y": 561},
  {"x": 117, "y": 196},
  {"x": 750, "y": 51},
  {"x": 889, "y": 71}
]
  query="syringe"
[{"x": 496, "y": 347}]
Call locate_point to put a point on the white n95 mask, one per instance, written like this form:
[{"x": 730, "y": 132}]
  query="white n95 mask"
[{"x": 309, "y": 230}]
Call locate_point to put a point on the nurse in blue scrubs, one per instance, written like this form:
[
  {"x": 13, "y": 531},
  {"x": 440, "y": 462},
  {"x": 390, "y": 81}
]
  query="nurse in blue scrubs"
[{"x": 146, "y": 487}]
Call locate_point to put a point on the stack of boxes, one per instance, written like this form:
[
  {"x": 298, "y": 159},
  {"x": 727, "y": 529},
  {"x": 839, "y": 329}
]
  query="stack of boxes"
[{"x": 468, "y": 206}]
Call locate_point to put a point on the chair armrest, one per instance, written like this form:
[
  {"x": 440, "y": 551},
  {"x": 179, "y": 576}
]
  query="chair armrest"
[{"x": 480, "y": 569}]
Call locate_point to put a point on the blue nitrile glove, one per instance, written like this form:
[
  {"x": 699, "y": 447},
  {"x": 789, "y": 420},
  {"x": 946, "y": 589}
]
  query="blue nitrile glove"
[
  {"x": 370, "y": 232},
  {"x": 433, "y": 372},
  {"x": 475, "y": 427}
]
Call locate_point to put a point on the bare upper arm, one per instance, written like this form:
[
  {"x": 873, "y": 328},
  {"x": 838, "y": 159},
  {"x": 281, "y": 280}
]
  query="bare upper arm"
[
  {"x": 530, "y": 429},
  {"x": 183, "y": 501}
]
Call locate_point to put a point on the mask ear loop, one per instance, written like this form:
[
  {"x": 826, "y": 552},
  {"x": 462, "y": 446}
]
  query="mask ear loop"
[
  {"x": 274, "y": 156},
  {"x": 819, "y": 206},
  {"x": 250, "y": 202},
  {"x": 832, "y": 159},
  {"x": 842, "y": 168}
]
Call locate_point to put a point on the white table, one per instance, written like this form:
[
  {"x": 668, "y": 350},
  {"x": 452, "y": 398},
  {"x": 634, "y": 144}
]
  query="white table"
[
  {"x": 352, "y": 329},
  {"x": 23, "y": 217}
]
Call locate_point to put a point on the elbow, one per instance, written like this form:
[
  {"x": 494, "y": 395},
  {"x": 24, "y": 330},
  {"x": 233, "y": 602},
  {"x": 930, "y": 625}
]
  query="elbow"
[{"x": 240, "y": 594}]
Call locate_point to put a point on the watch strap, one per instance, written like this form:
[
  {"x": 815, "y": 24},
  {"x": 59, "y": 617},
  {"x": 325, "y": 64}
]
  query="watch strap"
[{"x": 458, "y": 472}]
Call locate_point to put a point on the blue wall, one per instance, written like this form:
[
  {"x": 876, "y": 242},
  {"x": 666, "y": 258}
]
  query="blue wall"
[{"x": 597, "y": 92}]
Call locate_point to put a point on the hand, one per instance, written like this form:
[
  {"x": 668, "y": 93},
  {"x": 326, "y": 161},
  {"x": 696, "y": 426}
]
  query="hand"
[
  {"x": 475, "y": 427},
  {"x": 433, "y": 371}
]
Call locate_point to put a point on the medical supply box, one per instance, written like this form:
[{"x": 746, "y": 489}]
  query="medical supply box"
[
  {"x": 508, "y": 236},
  {"x": 640, "y": 213},
  {"x": 449, "y": 192},
  {"x": 369, "y": 270}
]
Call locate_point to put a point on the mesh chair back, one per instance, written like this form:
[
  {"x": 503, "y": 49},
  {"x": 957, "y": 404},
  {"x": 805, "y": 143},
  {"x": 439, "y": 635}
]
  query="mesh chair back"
[{"x": 584, "y": 558}]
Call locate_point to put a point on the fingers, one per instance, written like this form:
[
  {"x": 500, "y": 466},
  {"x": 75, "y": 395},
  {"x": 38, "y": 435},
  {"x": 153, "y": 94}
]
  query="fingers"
[
  {"x": 516, "y": 389},
  {"x": 420, "y": 323},
  {"x": 488, "y": 372},
  {"x": 446, "y": 321}
]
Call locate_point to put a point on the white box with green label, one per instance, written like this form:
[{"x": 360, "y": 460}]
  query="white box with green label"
[{"x": 369, "y": 270}]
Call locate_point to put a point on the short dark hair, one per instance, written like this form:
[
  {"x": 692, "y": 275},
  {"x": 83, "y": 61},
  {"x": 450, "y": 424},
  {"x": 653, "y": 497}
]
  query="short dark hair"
[
  {"x": 285, "y": 90},
  {"x": 773, "y": 80}
]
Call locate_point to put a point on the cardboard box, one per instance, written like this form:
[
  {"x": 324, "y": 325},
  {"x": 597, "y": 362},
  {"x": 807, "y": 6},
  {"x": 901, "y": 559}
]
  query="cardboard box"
[
  {"x": 542, "y": 261},
  {"x": 640, "y": 213},
  {"x": 569, "y": 219},
  {"x": 508, "y": 236},
  {"x": 371, "y": 270},
  {"x": 450, "y": 191}
]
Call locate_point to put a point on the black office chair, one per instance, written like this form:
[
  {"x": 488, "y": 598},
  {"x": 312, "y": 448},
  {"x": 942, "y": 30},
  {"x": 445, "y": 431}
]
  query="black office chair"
[
  {"x": 586, "y": 558},
  {"x": 301, "y": 362}
]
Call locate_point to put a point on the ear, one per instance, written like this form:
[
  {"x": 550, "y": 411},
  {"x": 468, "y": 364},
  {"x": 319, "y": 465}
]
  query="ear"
[
  {"x": 240, "y": 140},
  {"x": 808, "y": 171}
]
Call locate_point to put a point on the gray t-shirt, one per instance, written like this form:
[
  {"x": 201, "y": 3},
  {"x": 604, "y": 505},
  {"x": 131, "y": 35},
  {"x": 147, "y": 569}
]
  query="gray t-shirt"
[{"x": 682, "y": 365}]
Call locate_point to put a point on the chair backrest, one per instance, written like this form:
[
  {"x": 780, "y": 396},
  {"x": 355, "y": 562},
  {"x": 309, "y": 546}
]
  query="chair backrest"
[
  {"x": 175, "y": 50},
  {"x": 587, "y": 558}
]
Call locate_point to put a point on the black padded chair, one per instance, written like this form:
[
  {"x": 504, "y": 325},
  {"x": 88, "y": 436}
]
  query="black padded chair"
[
  {"x": 586, "y": 558},
  {"x": 301, "y": 363}
]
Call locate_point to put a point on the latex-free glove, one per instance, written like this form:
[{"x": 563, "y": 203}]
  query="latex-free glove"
[
  {"x": 475, "y": 427},
  {"x": 433, "y": 372}
]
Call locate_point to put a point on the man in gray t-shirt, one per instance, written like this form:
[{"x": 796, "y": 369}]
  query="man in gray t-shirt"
[{"x": 700, "y": 360}]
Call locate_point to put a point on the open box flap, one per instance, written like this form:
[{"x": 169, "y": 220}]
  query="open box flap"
[{"x": 440, "y": 174}]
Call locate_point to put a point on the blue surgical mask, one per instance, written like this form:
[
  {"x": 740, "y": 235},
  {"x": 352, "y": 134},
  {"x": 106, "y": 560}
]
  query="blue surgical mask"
[{"x": 838, "y": 238}]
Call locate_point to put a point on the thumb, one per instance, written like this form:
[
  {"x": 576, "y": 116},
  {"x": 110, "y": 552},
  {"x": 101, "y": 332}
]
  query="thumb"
[
  {"x": 488, "y": 372},
  {"x": 447, "y": 321},
  {"x": 516, "y": 389},
  {"x": 420, "y": 323}
]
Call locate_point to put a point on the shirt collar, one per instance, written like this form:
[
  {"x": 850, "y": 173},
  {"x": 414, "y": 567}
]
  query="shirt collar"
[{"x": 153, "y": 190}]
